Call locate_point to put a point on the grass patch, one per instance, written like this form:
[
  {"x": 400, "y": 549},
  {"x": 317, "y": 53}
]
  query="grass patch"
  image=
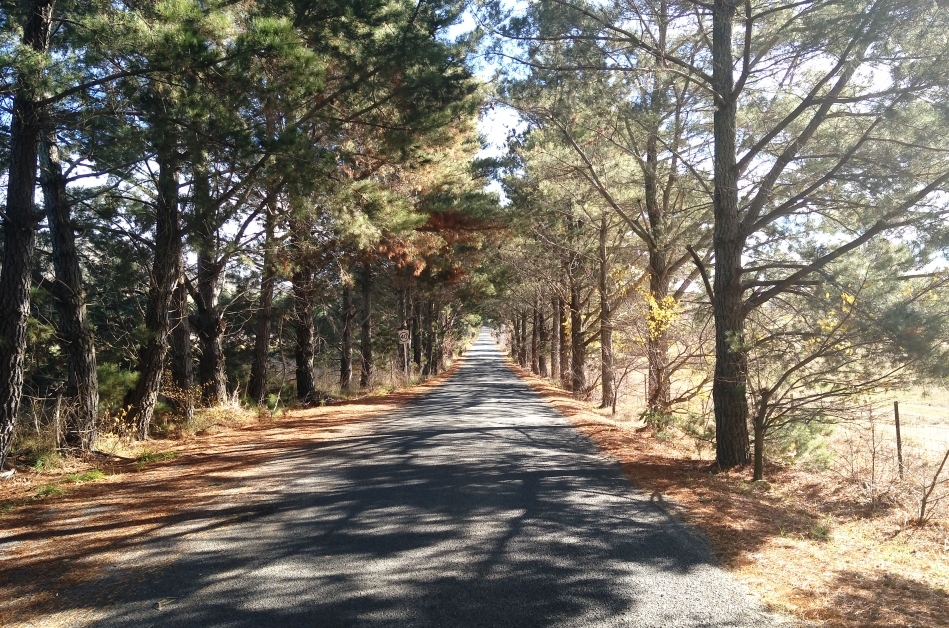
[
  {"x": 820, "y": 531},
  {"x": 86, "y": 476},
  {"x": 148, "y": 456},
  {"x": 47, "y": 462},
  {"x": 49, "y": 490}
]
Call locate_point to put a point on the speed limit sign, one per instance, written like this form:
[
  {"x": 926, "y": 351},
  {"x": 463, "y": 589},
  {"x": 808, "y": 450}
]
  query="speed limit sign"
[{"x": 404, "y": 336}]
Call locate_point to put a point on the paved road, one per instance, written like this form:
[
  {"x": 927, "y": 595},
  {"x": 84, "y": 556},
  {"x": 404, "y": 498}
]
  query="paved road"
[{"x": 476, "y": 506}]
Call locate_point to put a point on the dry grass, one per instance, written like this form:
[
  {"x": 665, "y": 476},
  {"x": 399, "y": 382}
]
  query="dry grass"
[{"x": 805, "y": 542}]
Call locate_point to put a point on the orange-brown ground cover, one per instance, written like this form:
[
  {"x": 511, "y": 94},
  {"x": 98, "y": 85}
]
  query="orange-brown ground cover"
[
  {"x": 804, "y": 542},
  {"x": 64, "y": 539}
]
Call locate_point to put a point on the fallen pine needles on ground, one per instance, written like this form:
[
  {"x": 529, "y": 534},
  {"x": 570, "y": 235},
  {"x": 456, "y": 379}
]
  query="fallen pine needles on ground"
[{"x": 59, "y": 529}]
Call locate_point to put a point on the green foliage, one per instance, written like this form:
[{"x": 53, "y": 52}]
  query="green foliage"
[
  {"x": 113, "y": 384},
  {"x": 147, "y": 456},
  {"x": 699, "y": 427},
  {"x": 821, "y": 529},
  {"x": 50, "y": 490},
  {"x": 802, "y": 443},
  {"x": 47, "y": 461},
  {"x": 85, "y": 476},
  {"x": 657, "y": 419}
]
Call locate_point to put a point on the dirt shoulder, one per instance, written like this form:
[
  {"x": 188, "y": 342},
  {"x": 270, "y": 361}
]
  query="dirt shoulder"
[
  {"x": 51, "y": 541},
  {"x": 802, "y": 541}
]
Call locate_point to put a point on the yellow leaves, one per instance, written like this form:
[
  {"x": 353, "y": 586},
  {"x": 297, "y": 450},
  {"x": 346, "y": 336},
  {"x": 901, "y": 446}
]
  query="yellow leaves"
[
  {"x": 662, "y": 314},
  {"x": 828, "y": 323},
  {"x": 848, "y": 301}
]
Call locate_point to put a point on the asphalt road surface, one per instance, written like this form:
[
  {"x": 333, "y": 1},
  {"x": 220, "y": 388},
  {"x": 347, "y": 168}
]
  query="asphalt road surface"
[{"x": 478, "y": 505}]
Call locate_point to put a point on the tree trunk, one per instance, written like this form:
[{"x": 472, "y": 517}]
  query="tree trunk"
[
  {"x": 303, "y": 298},
  {"x": 417, "y": 332},
  {"x": 657, "y": 344},
  {"x": 365, "y": 340},
  {"x": 439, "y": 342},
  {"x": 522, "y": 352},
  {"x": 731, "y": 361},
  {"x": 346, "y": 338},
  {"x": 516, "y": 339},
  {"x": 182, "y": 360},
  {"x": 165, "y": 272},
  {"x": 404, "y": 296},
  {"x": 82, "y": 386},
  {"x": 257, "y": 384},
  {"x": 305, "y": 337},
  {"x": 208, "y": 322},
  {"x": 544, "y": 337},
  {"x": 431, "y": 367},
  {"x": 565, "y": 378},
  {"x": 427, "y": 339},
  {"x": 210, "y": 328},
  {"x": 556, "y": 332},
  {"x": 578, "y": 381},
  {"x": 433, "y": 348},
  {"x": 535, "y": 341},
  {"x": 607, "y": 376},
  {"x": 19, "y": 226}
]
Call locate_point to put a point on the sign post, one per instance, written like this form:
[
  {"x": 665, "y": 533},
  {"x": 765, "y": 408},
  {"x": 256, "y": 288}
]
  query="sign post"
[{"x": 406, "y": 339}]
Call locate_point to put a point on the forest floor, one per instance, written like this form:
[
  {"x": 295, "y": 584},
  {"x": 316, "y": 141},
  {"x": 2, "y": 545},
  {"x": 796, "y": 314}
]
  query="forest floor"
[
  {"x": 806, "y": 542},
  {"x": 67, "y": 519}
]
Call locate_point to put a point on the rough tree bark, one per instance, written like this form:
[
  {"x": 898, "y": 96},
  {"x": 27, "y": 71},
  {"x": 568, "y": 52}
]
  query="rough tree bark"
[
  {"x": 556, "y": 323},
  {"x": 544, "y": 339},
  {"x": 348, "y": 315},
  {"x": 535, "y": 341},
  {"x": 365, "y": 339},
  {"x": 731, "y": 361},
  {"x": 257, "y": 384},
  {"x": 522, "y": 352},
  {"x": 578, "y": 380},
  {"x": 428, "y": 340},
  {"x": 417, "y": 332},
  {"x": 182, "y": 360},
  {"x": 607, "y": 376},
  {"x": 304, "y": 295},
  {"x": 657, "y": 343},
  {"x": 516, "y": 338},
  {"x": 165, "y": 272},
  {"x": 82, "y": 386},
  {"x": 565, "y": 378},
  {"x": 19, "y": 225},
  {"x": 209, "y": 325},
  {"x": 208, "y": 322}
]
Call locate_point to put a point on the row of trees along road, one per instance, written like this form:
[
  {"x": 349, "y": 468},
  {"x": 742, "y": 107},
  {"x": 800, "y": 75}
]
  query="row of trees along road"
[
  {"x": 223, "y": 185},
  {"x": 748, "y": 196}
]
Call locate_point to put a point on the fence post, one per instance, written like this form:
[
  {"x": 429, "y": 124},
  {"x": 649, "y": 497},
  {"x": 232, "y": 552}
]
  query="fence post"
[{"x": 899, "y": 441}]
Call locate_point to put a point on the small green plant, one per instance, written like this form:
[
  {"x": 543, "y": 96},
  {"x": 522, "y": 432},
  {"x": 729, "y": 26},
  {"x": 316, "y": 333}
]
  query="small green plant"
[
  {"x": 700, "y": 428},
  {"x": 49, "y": 490},
  {"x": 86, "y": 476},
  {"x": 148, "y": 456},
  {"x": 113, "y": 384},
  {"x": 46, "y": 461},
  {"x": 7, "y": 507},
  {"x": 761, "y": 486},
  {"x": 820, "y": 531},
  {"x": 657, "y": 419}
]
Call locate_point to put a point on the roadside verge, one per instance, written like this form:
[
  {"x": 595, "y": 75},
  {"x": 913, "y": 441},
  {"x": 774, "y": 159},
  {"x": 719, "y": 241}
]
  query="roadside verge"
[
  {"x": 798, "y": 543},
  {"x": 55, "y": 542}
]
